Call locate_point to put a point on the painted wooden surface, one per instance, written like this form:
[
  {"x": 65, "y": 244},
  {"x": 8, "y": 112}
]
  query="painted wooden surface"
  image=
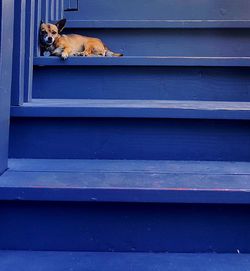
[
  {"x": 38, "y": 12},
  {"x": 18, "y": 73},
  {"x": 29, "y": 49},
  {"x": 145, "y": 61},
  {"x": 173, "y": 42},
  {"x": 124, "y": 138},
  {"x": 222, "y": 10},
  {"x": 126, "y": 181},
  {"x": 71, "y": 5},
  {"x": 116, "y": 166},
  {"x": 80, "y": 261},
  {"x": 6, "y": 45},
  {"x": 155, "y": 24},
  {"x": 142, "y": 83},
  {"x": 133, "y": 109},
  {"x": 180, "y": 93},
  {"x": 124, "y": 227}
]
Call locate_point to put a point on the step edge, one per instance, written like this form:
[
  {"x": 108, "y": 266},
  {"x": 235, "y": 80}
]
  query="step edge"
[
  {"x": 133, "y": 109},
  {"x": 145, "y": 61}
]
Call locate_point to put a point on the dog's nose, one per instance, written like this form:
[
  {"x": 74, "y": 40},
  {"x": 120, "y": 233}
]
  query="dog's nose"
[{"x": 50, "y": 39}]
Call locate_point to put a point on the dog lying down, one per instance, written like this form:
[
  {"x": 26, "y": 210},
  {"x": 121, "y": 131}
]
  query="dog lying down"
[{"x": 53, "y": 43}]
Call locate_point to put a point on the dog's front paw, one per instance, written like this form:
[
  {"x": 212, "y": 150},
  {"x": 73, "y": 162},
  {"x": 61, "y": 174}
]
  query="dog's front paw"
[{"x": 64, "y": 55}]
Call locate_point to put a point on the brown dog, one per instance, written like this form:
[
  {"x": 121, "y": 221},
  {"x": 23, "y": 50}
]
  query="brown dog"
[{"x": 70, "y": 45}]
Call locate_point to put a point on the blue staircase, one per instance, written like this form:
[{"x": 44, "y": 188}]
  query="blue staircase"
[{"x": 135, "y": 163}]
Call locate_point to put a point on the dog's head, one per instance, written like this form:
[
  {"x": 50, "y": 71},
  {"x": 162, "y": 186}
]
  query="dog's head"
[{"x": 50, "y": 32}]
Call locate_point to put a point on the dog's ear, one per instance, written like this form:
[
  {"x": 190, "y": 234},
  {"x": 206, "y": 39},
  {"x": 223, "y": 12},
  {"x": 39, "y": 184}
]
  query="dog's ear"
[
  {"x": 60, "y": 25},
  {"x": 41, "y": 22}
]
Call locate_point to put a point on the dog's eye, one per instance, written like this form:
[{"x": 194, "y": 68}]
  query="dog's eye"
[
  {"x": 44, "y": 32},
  {"x": 53, "y": 32}
]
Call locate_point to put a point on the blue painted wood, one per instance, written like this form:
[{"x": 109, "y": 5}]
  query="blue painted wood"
[
  {"x": 109, "y": 227},
  {"x": 133, "y": 109},
  {"x": 38, "y": 18},
  {"x": 162, "y": 10},
  {"x": 51, "y": 10},
  {"x": 29, "y": 49},
  {"x": 145, "y": 61},
  {"x": 156, "y": 24},
  {"x": 124, "y": 138},
  {"x": 45, "y": 10},
  {"x": 127, "y": 181},
  {"x": 17, "y": 93},
  {"x": 173, "y": 42},
  {"x": 6, "y": 46},
  {"x": 78, "y": 261},
  {"x": 61, "y": 9},
  {"x": 116, "y": 166},
  {"x": 142, "y": 83},
  {"x": 71, "y": 5}
]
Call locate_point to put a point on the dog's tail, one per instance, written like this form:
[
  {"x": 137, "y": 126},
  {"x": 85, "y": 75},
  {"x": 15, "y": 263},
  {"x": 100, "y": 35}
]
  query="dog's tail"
[{"x": 110, "y": 53}]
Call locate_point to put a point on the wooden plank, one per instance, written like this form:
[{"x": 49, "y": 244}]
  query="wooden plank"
[
  {"x": 60, "y": 9},
  {"x": 161, "y": 10},
  {"x": 6, "y": 45},
  {"x": 145, "y": 61},
  {"x": 45, "y": 10},
  {"x": 52, "y": 10},
  {"x": 137, "y": 181},
  {"x": 165, "y": 24},
  {"x": 17, "y": 93},
  {"x": 130, "y": 166},
  {"x": 29, "y": 49},
  {"x": 78, "y": 261},
  {"x": 133, "y": 109},
  {"x": 131, "y": 187},
  {"x": 38, "y": 17},
  {"x": 142, "y": 83},
  {"x": 130, "y": 138},
  {"x": 168, "y": 182}
]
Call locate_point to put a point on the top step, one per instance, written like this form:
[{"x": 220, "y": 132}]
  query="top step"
[{"x": 158, "y": 13}]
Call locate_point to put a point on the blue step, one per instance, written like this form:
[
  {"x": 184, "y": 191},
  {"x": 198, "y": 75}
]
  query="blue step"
[
  {"x": 126, "y": 181},
  {"x": 125, "y": 206},
  {"x": 143, "y": 78},
  {"x": 83, "y": 261},
  {"x": 199, "y": 12}
]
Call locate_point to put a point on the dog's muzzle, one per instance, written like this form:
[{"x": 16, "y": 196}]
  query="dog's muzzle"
[{"x": 49, "y": 40}]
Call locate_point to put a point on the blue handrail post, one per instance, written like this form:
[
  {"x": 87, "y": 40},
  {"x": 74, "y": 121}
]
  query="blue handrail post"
[{"x": 6, "y": 39}]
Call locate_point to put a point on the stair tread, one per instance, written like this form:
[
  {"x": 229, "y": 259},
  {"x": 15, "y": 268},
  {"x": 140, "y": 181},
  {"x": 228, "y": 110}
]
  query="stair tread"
[
  {"x": 126, "y": 181},
  {"x": 145, "y": 61},
  {"x": 74, "y": 261},
  {"x": 133, "y": 108}
]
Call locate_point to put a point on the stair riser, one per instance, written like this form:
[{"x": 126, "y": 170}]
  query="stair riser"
[
  {"x": 124, "y": 227},
  {"x": 153, "y": 83},
  {"x": 146, "y": 139},
  {"x": 158, "y": 10},
  {"x": 173, "y": 42}
]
